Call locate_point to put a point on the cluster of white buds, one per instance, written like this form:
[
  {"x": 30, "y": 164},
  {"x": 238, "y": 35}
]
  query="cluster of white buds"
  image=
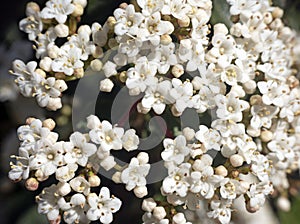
[{"x": 240, "y": 76}]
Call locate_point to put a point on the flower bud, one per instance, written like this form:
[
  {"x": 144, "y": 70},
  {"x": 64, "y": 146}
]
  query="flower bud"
[
  {"x": 185, "y": 22},
  {"x": 40, "y": 176},
  {"x": 197, "y": 83},
  {"x": 188, "y": 133},
  {"x": 41, "y": 72},
  {"x": 117, "y": 177},
  {"x": 53, "y": 51},
  {"x": 60, "y": 85},
  {"x": 255, "y": 100},
  {"x": 249, "y": 86},
  {"x": 140, "y": 191},
  {"x": 96, "y": 65},
  {"x": 106, "y": 85},
  {"x": 236, "y": 160},
  {"x": 83, "y": 3},
  {"x": 143, "y": 157},
  {"x": 32, "y": 184},
  {"x": 49, "y": 123},
  {"x": 78, "y": 11},
  {"x": 179, "y": 218},
  {"x": 220, "y": 28},
  {"x": 221, "y": 170},
  {"x": 284, "y": 203},
  {"x": 277, "y": 12},
  {"x": 165, "y": 39},
  {"x": 57, "y": 220},
  {"x": 148, "y": 204},
  {"x": 45, "y": 64},
  {"x": 177, "y": 70},
  {"x": 78, "y": 72},
  {"x": 108, "y": 163},
  {"x": 61, "y": 30},
  {"x": 159, "y": 212},
  {"x": 94, "y": 180},
  {"x": 29, "y": 120},
  {"x": 32, "y": 8},
  {"x": 266, "y": 135},
  {"x": 54, "y": 104},
  {"x": 63, "y": 188}
]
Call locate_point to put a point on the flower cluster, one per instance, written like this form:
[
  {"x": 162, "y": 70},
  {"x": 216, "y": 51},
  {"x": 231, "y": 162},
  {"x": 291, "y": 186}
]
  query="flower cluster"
[
  {"x": 73, "y": 163},
  {"x": 241, "y": 76}
]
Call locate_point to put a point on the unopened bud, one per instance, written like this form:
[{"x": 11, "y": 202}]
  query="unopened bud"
[
  {"x": 94, "y": 180},
  {"x": 188, "y": 133},
  {"x": 221, "y": 170},
  {"x": 49, "y": 123},
  {"x": 140, "y": 191},
  {"x": 41, "y": 72},
  {"x": 32, "y": 184},
  {"x": 179, "y": 218},
  {"x": 148, "y": 204},
  {"x": 277, "y": 12},
  {"x": 185, "y": 22},
  {"x": 159, "y": 212},
  {"x": 29, "y": 120},
  {"x": 117, "y": 177},
  {"x": 106, "y": 85},
  {"x": 236, "y": 160},
  {"x": 63, "y": 188},
  {"x": 220, "y": 28},
  {"x": 78, "y": 72},
  {"x": 45, "y": 64},
  {"x": 255, "y": 100},
  {"x": 32, "y": 8},
  {"x": 96, "y": 65},
  {"x": 61, "y": 30},
  {"x": 78, "y": 11},
  {"x": 266, "y": 135},
  {"x": 177, "y": 70},
  {"x": 284, "y": 203},
  {"x": 143, "y": 157},
  {"x": 165, "y": 39}
]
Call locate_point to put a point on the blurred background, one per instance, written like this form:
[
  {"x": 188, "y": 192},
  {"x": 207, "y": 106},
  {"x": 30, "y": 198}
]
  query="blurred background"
[{"x": 17, "y": 205}]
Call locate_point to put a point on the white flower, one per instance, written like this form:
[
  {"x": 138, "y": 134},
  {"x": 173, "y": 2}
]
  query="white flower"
[
  {"x": 20, "y": 170},
  {"x": 175, "y": 150},
  {"x": 127, "y": 21},
  {"x": 182, "y": 92},
  {"x": 32, "y": 24},
  {"x": 80, "y": 185},
  {"x": 220, "y": 210},
  {"x": 157, "y": 96},
  {"x": 209, "y": 137},
  {"x": 48, "y": 202},
  {"x": 273, "y": 92},
  {"x": 262, "y": 116},
  {"x": 177, "y": 8},
  {"x": 83, "y": 42},
  {"x": 81, "y": 150},
  {"x": 230, "y": 107},
  {"x": 58, "y": 9},
  {"x": 102, "y": 206},
  {"x": 154, "y": 27},
  {"x": 68, "y": 60},
  {"x": 73, "y": 210},
  {"x": 177, "y": 181},
  {"x": 141, "y": 76},
  {"x": 66, "y": 173},
  {"x": 130, "y": 140},
  {"x": 50, "y": 158},
  {"x": 134, "y": 175},
  {"x": 150, "y": 6},
  {"x": 107, "y": 136}
]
